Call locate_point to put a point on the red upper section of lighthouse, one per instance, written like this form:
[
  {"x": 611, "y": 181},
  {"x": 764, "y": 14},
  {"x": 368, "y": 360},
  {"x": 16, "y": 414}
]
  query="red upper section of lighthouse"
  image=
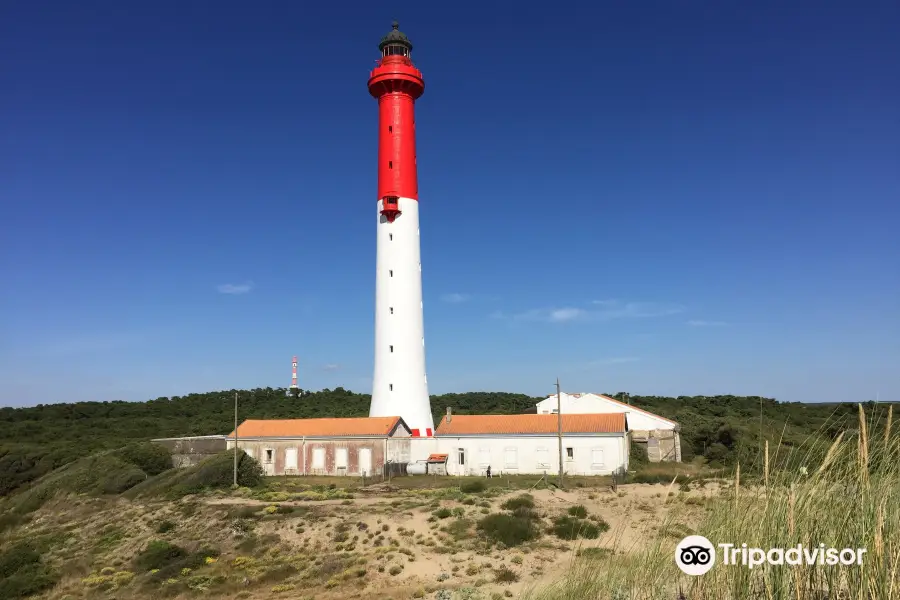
[{"x": 396, "y": 83}]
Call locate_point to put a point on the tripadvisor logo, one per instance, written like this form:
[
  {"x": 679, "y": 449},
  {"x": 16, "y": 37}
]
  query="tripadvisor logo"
[{"x": 695, "y": 555}]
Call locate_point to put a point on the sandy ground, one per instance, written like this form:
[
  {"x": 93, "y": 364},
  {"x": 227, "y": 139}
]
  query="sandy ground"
[{"x": 384, "y": 526}]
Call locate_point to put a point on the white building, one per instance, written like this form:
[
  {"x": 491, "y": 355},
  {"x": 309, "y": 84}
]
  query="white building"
[
  {"x": 661, "y": 435},
  {"x": 593, "y": 444}
]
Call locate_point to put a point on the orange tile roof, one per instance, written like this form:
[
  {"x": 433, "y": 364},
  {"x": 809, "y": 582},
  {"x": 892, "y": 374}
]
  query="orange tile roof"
[
  {"x": 356, "y": 426},
  {"x": 534, "y": 424}
]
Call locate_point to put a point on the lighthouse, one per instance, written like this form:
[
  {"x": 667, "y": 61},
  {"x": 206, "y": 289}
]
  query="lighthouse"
[{"x": 399, "y": 386}]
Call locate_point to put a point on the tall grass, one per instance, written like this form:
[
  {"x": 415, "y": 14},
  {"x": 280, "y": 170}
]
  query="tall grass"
[{"x": 844, "y": 494}]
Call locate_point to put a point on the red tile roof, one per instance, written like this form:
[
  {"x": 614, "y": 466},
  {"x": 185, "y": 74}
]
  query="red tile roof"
[
  {"x": 533, "y": 424},
  {"x": 359, "y": 426}
]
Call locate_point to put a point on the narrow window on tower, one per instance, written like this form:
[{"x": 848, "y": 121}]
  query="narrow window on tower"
[
  {"x": 390, "y": 129},
  {"x": 390, "y": 164},
  {"x": 390, "y": 273},
  {"x": 390, "y": 387},
  {"x": 390, "y": 237},
  {"x": 392, "y": 310},
  {"x": 392, "y": 348}
]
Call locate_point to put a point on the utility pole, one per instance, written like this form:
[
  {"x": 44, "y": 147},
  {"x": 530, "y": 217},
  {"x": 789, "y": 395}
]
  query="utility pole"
[
  {"x": 235, "y": 439},
  {"x": 559, "y": 432}
]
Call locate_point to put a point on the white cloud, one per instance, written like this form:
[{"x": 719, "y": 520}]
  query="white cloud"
[
  {"x": 700, "y": 323},
  {"x": 455, "y": 298},
  {"x": 235, "y": 288},
  {"x": 606, "y": 310},
  {"x": 561, "y": 315}
]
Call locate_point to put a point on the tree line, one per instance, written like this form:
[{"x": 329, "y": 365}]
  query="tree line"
[{"x": 722, "y": 429}]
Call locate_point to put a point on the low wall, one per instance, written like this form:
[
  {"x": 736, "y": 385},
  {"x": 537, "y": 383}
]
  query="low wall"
[{"x": 190, "y": 451}]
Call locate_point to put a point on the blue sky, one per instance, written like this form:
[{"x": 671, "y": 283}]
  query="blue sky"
[{"x": 656, "y": 197}]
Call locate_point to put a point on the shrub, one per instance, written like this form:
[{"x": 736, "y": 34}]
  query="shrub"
[
  {"x": 578, "y": 511},
  {"x": 21, "y": 572},
  {"x": 571, "y": 528},
  {"x": 442, "y": 513},
  {"x": 508, "y": 529},
  {"x": 395, "y": 570},
  {"x": 150, "y": 458},
  {"x": 165, "y": 527},
  {"x": 473, "y": 487},
  {"x": 158, "y": 554},
  {"x": 523, "y": 501},
  {"x": 505, "y": 575},
  {"x": 17, "y": 557},
  {"x": 638, "y": 455}
]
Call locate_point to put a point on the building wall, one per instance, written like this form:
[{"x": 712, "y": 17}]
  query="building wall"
[
  {"x": 593, "y": 404},
  {"x": 320, "y": 456},
  {"x": 663, "y": 445},
  {"x": 522, "y": 454}
]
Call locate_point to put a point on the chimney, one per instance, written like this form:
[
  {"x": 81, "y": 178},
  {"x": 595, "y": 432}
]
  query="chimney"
[{"x": 449, "y": 414}]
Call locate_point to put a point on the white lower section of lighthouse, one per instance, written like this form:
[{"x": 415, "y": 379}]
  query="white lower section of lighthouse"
[{"x": 399, "y": 386}]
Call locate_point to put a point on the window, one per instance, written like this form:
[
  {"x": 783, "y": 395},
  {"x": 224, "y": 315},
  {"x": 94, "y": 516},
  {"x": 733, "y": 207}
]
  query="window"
[
  {"x": 390, "y": 387},
  {"x": 484, "y": 456},
  {"x": 390, "y": 129},
  {"x": 340, "y": 458},
  {"x": 318, "y": 458},
  {"x": 390, "y": 164},
  {"x": 392, "y": 348},
  {"x": 269, "y": 454},
  {"x": 510, "y": 458},
  {"x": 290, "y": 458},
  {"x": 390, "y": 237},
  {"x": 570, "y": 453},
  {"x": 597, "y": 458},
  {"x": 390, "y": 273},
  {"x": 543, "y": 458},
  {"x": 462, "y": 456},
  {"x": 392, "y": 310}
]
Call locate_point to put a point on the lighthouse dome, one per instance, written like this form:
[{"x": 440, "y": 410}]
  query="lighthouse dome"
[{"x": 395, "y": 42}]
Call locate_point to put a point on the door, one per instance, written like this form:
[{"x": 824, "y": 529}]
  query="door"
[{"x": 365, "y": 461}]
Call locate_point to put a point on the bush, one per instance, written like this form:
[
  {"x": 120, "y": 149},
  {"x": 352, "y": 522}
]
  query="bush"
[
  {"x": 638, "y": 456},
  {"x": 578, "y": 511},
  {"x": 505, "y": 575},
  {"x": 28, "y": 581},
  {"x": 17, "y": 557},
  {"x": 523, "y": 501},
  {"x": 119, "y": 480},
  {"x": 442, "y": 513},
  {"x": 158, "y": 554},
  {"x": 165, "y": 527},
  {"x": 508, "y": 529},
  {"x": 473, "y": 487},
  {"x": 570, "y": 528},
  {"x": 21, "y": 572},
  {"x": 150, "y": 458}
]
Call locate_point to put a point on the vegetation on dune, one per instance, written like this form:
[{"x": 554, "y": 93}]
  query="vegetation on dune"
[
  {"x": 22, "y": 574},
  {"x": 216, "y": 472},
  {"x": 843, "y": 495}
]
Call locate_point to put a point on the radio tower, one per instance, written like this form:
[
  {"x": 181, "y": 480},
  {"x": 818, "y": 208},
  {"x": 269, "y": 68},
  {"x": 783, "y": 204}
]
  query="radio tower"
[
  {"x": 399, "y": 385},
  {"x": 294, "y": 391}
]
